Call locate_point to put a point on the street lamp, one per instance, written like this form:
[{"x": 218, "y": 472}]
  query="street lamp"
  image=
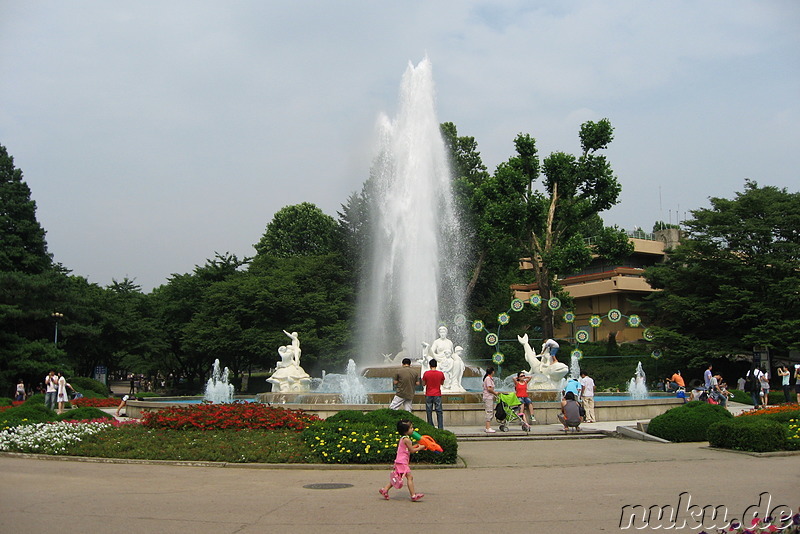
[{"x": 56, "y": 316}]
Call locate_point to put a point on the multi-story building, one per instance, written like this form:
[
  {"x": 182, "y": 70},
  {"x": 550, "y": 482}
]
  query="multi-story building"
[{"x": 602, "y": 287}]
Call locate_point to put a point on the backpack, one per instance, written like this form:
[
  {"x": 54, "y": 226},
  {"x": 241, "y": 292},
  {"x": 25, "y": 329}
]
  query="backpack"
[{"x": 752, "y": 383}]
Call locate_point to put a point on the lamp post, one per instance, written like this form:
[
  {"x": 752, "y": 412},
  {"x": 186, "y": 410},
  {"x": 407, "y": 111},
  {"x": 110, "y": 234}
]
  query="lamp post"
[{"x": 56, "y": 316}]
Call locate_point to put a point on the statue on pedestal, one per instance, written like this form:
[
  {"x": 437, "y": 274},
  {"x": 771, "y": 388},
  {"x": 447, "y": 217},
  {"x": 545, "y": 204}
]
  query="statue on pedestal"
[{"x": 288, "y": 375}]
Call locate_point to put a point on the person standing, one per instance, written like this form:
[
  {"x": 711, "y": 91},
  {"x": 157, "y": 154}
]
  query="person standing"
[
  {"x": 707, "y": 377},
  {"x": 405, "y": 380},
  {"x": 488, "y": 399},
  {"x": 784, "y": 373},
  {"x": 764, "y": 378},
  {"x": 62, "y": 395},
  {"x": 797, "y": 381},
  {"x": 521, "y": 389},
  {"x": 754, "y": 379},
  {"x": 20, "y": 395},
  {"x": 433, "y": 380},
  {"x": 587, "y": 396},
  {"x": 51, "y": 390}
]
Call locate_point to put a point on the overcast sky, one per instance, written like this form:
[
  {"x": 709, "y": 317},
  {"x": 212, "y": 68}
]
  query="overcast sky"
[{"x": 155, "y": 133}]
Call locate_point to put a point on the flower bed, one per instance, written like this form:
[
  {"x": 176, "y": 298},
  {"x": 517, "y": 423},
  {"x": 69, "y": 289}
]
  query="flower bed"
[
  {"x": 48, "y": 438},
  {"x": 236, "y": 415},
  {"x": 108, "y": 402}
]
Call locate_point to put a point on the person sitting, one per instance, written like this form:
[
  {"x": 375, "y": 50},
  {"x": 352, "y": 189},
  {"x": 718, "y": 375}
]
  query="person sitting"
[{"x": 570, "y": 415}]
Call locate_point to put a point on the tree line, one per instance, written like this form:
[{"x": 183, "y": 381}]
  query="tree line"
[{"x": 731, "y": 283}]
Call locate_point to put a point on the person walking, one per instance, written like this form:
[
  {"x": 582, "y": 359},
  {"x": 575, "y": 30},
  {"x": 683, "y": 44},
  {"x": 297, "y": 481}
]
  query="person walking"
[
  {"x": 20, "y": 394},
  {"x": 401, "y": 467},
  {"x": 587, "y": 396},
  {"x": 405, "y": 380},
  {"x": 488, "y": 399},
  {"x": 433, "y": 380}
]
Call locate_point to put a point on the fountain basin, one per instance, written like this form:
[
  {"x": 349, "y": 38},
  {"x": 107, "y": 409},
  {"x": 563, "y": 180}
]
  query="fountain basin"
[{"x": 459, "y": 409}]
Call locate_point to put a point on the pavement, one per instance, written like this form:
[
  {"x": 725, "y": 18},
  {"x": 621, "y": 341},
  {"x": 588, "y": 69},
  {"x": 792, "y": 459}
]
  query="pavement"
[{"x": 542, "y": 482}]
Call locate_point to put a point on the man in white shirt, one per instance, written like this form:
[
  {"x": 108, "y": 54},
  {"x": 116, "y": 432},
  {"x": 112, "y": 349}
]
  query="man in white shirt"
[
  {"x": 51, "y": 390},
  {"x": 587, "y": 396}
]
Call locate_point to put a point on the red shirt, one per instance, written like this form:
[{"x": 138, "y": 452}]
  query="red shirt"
[{"x": 433, "y": 381}]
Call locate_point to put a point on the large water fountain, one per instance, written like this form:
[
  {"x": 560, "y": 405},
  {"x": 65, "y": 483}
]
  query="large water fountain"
[
  {"x": 416, "y": 281},
  {"x": 415, "y": 285}
]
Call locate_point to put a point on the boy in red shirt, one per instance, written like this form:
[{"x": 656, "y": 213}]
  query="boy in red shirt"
[{"x": 433, "y": 381}]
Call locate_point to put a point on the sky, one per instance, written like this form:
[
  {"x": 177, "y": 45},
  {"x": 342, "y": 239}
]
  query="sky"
[{"x": 154, "y": 134}]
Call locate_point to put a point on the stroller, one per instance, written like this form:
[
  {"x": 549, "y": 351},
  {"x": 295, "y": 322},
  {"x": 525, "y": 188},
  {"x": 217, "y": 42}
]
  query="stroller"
[{"x": 509, "y": 410}]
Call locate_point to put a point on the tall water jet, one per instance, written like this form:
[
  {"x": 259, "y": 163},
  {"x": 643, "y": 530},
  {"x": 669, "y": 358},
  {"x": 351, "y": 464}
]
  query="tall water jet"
[
  {"x": 637, "y": 388},
  {"x": 217, "y": 388},
  {"x": 416, "y": 277}
]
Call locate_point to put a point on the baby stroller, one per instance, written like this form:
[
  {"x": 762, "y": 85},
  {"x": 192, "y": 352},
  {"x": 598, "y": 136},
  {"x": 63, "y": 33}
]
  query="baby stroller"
[{"x": 509, "y": 410}]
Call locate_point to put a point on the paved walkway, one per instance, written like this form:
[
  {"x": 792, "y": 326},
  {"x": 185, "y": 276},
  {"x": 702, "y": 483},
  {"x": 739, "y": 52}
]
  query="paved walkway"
[{"x": 529, "y": 485}]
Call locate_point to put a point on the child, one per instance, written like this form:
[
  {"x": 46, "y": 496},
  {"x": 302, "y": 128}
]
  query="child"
[{"x": 401, "y": 469}]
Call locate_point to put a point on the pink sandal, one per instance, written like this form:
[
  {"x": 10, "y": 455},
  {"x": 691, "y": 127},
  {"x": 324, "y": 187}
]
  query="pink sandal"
[
  {"x": 417, "y": 496},
  {"x": 384, "y": 493}
]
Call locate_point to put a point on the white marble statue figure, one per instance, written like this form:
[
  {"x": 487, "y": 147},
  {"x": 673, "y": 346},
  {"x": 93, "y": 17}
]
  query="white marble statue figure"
[
  {"x": 398, "y": 358},
  {"x": 289, "y": 376},
  {"x": 448, "y": 359},
  {"x": 453, "y": 381},
  {"x": 546, "y": 373}
]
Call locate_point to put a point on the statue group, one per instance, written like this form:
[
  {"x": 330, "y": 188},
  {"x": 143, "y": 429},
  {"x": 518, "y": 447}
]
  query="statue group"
[
  {"x": 449, "y": 360},
  {"x": 289, "y": 376}
]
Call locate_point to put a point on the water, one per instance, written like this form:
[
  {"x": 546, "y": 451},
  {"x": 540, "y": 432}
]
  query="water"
[
  {"x": 218, "y": 390},
  {"x": 351, "y": 386},
  {"x": 637, "y": 388},
  {"x": 574, "y": 367},
  {"x": 416, "y": 280}
]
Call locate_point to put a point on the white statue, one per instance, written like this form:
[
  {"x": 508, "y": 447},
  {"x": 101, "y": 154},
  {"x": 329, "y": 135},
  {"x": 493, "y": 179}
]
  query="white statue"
[
  {"x": 398, "y": 358},
  {"x": 288, "y": 375},
  {"x": 453, "y": 381},
  {"x": 547, "y": 372},
  {"x": 448, "y": 361}
]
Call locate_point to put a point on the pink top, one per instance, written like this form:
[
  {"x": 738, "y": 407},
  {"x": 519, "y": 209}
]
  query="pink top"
[{"x": 402, "y": 458}]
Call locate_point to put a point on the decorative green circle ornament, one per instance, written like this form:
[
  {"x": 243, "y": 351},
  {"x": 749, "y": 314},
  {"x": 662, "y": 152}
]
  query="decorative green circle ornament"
[
  {"x": 503, "y": 318},
  {"x": 614, "y": 315},
  {"x": 634, "y": 321},
  {"x": 582, "y": 336},
  {"x": 656, "y": 354},
  {"x": 498, "y": 358},
  {"x": 492, "y": 339},
  {"x": 517, "y": 305},
  {"x": 578, "y": 354},
  {"x": 535, "y": 300},
  {"x": 460, "y": 319},
  {"x": 595, "y": 321},
  {"x": 569, "y": 317},
  {"x": 477, "y": 325},
  {"x": 554, "y": 303},
  {"x": 648, "y": 335}
]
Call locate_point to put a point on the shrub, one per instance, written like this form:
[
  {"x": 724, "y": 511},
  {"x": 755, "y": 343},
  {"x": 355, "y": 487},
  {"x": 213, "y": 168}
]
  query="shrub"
[
  {"x": 26, "y": 415},
  {"x": 82, "y": 414},
  {"x": 688, "y": 422},
  {"x": 5, "y": 401},
  {"x": 757, "y": 434},
  {"x": 36, "y": 398},
  {"x": 84, "y": 384},
  {"x": 356, "y": 437}
]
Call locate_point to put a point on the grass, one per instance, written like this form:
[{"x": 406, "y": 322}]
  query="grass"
[{"x": 134, "y": 441}]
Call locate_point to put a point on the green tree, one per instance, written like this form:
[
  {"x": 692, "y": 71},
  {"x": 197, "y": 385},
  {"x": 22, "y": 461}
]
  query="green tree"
[
  {"x": 299, "y": 230},
  {"x": 22, "y": 244},
  {"x": 733, "y": 281},
  {"x": 550, "y": 225}
]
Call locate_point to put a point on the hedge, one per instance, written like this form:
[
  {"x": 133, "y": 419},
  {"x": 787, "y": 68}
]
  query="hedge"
[
  {"x": 688, "y": 422},
  {"x": 756, "y": 434}
]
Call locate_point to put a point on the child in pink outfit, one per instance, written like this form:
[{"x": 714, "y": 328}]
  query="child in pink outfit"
[{"x": 401, "y": 468}]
